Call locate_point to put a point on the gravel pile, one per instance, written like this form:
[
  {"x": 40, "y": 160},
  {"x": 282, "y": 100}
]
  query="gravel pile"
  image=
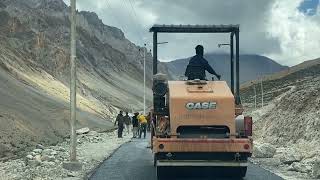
[{"x": 288, "y": 162}]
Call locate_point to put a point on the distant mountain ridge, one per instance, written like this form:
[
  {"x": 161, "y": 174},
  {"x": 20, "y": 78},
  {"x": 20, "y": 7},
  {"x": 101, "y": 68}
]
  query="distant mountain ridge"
[{"x": 251, "y": 66}]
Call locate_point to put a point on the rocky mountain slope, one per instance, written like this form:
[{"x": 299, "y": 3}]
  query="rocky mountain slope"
[
  {"x": 251, "y": 66},
  {"x": 290, "y": 119},
  {"x": 34, "y": 73}
]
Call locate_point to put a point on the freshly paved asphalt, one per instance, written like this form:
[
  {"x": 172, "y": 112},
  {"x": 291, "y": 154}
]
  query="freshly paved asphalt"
[{"x": 134, "y": 161}]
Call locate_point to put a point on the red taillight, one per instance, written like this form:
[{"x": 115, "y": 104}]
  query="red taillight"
[
  {"x": 246, "y": 146},
  {"x": 248, "y": 126}
]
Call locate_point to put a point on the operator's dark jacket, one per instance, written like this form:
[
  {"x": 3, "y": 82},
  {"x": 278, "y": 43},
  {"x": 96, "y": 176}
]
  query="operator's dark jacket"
[{"x": 197, "y": 68}]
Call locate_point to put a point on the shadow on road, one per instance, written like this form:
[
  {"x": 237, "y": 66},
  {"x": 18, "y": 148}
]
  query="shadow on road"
[{"x": 204, "y": 178}]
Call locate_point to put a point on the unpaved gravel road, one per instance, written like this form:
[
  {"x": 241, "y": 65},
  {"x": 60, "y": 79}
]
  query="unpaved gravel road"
[{"x": 134, "y": 161}]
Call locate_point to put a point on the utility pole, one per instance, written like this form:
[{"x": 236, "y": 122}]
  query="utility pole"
[
  {"x": 144, "y": 80},
  {"x": 261, "y": 92},
  {"x": 73, "y": 165},
  {"x": 255, "y": 96},
  {"x": 73, "y": 99}
]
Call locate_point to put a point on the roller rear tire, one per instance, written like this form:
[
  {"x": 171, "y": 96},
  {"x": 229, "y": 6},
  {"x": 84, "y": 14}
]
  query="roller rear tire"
[
  {"x": 160, "y": 172},
  {"x": 242, "y": 171}
]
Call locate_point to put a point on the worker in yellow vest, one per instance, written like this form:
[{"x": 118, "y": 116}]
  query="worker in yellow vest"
[{"x": 143, "y": 125}]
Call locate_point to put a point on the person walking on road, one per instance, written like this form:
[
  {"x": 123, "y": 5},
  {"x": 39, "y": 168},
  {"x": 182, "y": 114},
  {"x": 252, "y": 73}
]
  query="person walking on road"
[
  {"x": 143, "y": 125},
  {"x": 120, "y": 121},
  {"x": 135, "y": 124},
  {"x": 127, "y": 122}
]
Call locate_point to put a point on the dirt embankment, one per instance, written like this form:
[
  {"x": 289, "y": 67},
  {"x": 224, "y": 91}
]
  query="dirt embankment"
[{"x": 289, "y": 123}]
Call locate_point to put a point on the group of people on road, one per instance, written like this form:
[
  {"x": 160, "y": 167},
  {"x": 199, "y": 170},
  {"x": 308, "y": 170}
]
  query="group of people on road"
[{"x": 140, "y": 124}]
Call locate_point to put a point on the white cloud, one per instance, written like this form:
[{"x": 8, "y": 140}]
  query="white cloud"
[
  {"x": 298, "y": 34},
  {"x": 274, "y": 28}
]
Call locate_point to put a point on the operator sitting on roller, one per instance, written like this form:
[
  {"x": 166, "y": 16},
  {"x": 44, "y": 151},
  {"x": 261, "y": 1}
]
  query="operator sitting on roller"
[{"x": 198, "y": 66}]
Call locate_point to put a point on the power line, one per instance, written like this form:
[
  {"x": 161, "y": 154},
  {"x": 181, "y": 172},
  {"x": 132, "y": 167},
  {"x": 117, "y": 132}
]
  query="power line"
[
  {"x": 123, "y": 3},
  {"x": 138, "y": 25},
  {"x": 135, "y": 23},
  {"x": 148, "y": 43},
  {"x": 114, "y": 17},
  {"x": 136, "y": 17},
  {"x": 135, "y": 20}
]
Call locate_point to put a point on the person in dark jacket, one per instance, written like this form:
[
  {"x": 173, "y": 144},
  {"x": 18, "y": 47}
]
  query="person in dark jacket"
[
  {"x": 120, "y": 121},
  {"x": 198, "y": 66},
  {"x": 135, "y": 124}
]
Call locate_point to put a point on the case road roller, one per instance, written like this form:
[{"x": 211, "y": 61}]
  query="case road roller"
[{"x": 199, "y": 123}]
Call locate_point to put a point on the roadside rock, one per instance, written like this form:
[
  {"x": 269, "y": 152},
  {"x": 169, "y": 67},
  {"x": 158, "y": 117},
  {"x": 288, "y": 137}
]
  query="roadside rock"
[
  {"x": 33, "y": 163},
  {"x": 49, "y": 152},
  {"x": 93, "y": 133},
  {"x": 271, "y": 162},
  {"x": 61, "y": 149},
  {"x": 290, "y": 157},
  {"x": 53, "y": 153},
  {"x": 3, "y": 149},
  {"x": 300, "y": 167},
  {"x": 48, "y": 164},
  {"x": 316, "y": 170},
  {"x": 38, "y": 158},
  {"x": 72, "y": 174},
  {"x": 71, "y": 178},
  {"x": 85, "y": 130},
  {"x": 30, "y": 157},
  {"x": 47, "y": 158},
  {"x": 39, "y": 146},
  {"x": 264, "y": 150},
  {"x": 38, "y": 151}
]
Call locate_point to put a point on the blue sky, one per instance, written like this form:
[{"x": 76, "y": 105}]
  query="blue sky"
[{"x": 309, "y": 7}]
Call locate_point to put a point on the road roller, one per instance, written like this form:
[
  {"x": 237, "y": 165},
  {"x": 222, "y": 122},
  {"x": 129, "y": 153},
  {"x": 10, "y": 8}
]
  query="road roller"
[{"x": 199, "y": 124}]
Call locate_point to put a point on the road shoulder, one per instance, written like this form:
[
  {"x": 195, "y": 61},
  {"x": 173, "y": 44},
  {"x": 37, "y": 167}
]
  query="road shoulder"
[{"x": 46, "y": 162}]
